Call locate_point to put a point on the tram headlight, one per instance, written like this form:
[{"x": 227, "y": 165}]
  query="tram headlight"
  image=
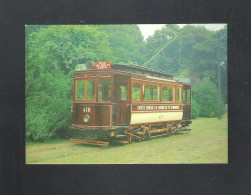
[{"x": 86, "y": 118}]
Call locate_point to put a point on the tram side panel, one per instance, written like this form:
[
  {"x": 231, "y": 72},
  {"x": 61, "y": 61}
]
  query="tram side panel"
[{"x": 143, "y": 113}]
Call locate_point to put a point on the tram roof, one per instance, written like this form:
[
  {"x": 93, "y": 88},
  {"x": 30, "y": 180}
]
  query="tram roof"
[{"x": 141, "y": 70}]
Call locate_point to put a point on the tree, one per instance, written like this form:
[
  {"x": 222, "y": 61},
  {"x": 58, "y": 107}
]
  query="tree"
[
  {"x": 206, "y": 95},
  {"x": 168, "y": 59},
  {"x": 222, "y": 36},
  {"x": 47, "y": 109},
  {"x": 126, "y": 41},
  {"x": 195, "y": 109},
  {"x": 195, "y": 51},
  {"x": 51, "y": 56}
]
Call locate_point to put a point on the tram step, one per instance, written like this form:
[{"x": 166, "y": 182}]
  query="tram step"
[
  {"x": 123, "y": 142},
  {"x": 119, "y": 136},
  {"x": 89, "y": 142},
  {"x": 159, "y": 135},
  {"x": 134, "y": 135},
  {"x": 185, "y": 130}
]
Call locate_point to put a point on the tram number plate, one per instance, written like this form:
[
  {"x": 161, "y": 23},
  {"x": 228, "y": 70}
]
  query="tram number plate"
[
  {"x": 86, "y": 109},
  {"x": 160, "y": 116}
]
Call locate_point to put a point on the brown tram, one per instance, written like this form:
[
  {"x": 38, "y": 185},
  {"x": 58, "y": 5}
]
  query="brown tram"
[{"x": 127, "y": 103}]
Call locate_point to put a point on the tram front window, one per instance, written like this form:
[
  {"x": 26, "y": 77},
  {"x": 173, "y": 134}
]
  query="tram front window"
[
  {"x": 80, "y": 90},
  {"x": 85, "y": 90},
  {"x": 90, "y": 90}
]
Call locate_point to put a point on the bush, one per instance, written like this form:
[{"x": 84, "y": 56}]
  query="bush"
[
  {"x": 206, "y": 95},
  {"x": 195, "y": 109},
  {"x": 48, "y": 109},
  {"x": 51, "y": 56}
]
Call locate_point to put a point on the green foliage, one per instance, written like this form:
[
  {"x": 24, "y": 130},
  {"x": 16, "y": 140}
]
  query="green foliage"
[
  {"x": 206, "y": 95},
  {"x": 184, "y": 73},
  {"x": 126, "y": 42},
  {"x": 193, "y": 54},
  {"x": 195, "y": 109},
  {"x": 47, "y": 110},
  {"x": 51, "y": 56},
  {"x": 168, "y": 59},
  {"x": 66, "y": 46}
]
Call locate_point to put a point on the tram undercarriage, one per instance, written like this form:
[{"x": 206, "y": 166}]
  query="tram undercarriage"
[{"x": 127, "y": 134}]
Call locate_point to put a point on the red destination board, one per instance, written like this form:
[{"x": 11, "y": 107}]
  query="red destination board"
[{"x": 102, "y": 65}]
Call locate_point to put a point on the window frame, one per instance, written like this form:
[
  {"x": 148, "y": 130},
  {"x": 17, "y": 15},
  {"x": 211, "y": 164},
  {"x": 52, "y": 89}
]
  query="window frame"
[
  {"x": 141, "y": 88},
  {"x": 142, "y": 91},
  {"x": 174, "y": 87},
  {"x": 181, "y": 94},
  {"x": 188, "y": 99},
  {"x": 85, "y": 92},
  {"x": 185, "y": 95},
  {"x": 102, "y": 90},
  {"x": 128, "y": 91}
]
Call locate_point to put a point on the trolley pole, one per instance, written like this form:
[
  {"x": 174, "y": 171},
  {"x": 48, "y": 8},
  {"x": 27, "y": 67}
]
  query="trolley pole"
[{"x": 219, "y": 79}]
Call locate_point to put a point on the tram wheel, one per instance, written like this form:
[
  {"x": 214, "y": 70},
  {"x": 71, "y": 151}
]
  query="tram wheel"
[
  {"x": 148, "y": 135},
  {"x": 170, "y": 131}
]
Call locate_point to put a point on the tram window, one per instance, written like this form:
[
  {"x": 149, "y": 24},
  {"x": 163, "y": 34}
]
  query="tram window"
[
  {"x": 123, "y": 92},
  {"x": 91, "y": 90},
  {"x": 188, "y": 96},
  {"x": 178, "y": 94},
  {"x": 147, "y": 92},
  {"x": 155, "y": 93},
  {"x": 80, "y": 91},
  {"x": 104, "y": 90},
  {"x": 168, "y": 93},
  {"x": 184, "y": 96},
  {"x": 136, "y": 91},
  {"x": 151, "y": 92}
]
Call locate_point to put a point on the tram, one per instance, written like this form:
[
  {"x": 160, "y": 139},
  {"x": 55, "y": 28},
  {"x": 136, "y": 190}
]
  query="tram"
[{"x": 122, "y": 103}]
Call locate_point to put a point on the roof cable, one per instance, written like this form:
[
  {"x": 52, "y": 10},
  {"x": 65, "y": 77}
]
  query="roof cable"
[{"x": 161, "y": 50}]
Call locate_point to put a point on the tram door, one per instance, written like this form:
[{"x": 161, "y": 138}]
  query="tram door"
[
  {"x": 121, "y": 100},
  {"x": 187, "y": 102}
]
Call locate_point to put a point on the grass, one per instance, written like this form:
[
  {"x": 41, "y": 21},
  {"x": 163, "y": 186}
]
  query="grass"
[{"x": 206, "y": 143}]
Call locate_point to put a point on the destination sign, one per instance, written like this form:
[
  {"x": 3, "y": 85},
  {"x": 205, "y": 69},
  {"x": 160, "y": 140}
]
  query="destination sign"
[
  {"x": 155, "y": 107},
  {"x": 102, "y": 65}
]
